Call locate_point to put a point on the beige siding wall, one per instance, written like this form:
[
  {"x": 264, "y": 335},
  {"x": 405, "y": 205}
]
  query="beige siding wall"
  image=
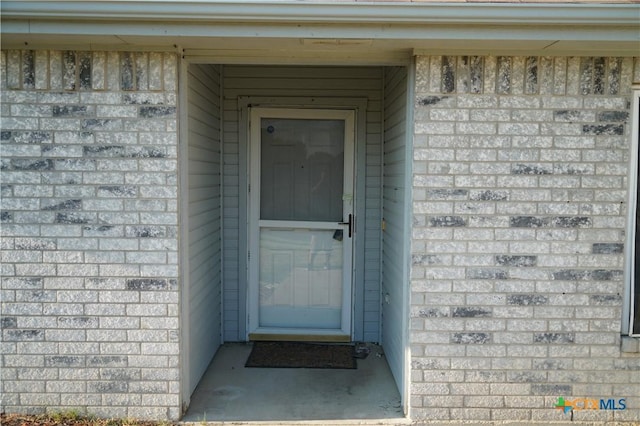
[
  {"x": 394, "y": 269},
  {"x": 205, "y": 218}
]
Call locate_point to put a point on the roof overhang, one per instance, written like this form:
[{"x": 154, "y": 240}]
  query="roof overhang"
[{"x": 304, "y": 30}]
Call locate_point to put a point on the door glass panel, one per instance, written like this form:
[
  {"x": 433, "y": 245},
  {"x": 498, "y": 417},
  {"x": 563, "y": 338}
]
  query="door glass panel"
[
  {"x": 302, "y": 169},
  {"x": 301, "y": 278}
]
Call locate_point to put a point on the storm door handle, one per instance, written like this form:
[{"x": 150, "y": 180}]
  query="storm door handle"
[{"x": 350, "y": 223}]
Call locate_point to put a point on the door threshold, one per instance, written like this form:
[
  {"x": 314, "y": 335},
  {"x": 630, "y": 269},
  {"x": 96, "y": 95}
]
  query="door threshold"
[{"x": 272, "y": 337}]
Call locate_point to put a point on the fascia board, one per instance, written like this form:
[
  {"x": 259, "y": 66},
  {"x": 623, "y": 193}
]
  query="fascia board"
[
  {"x": 326, "y": 12},
  {"x": 191, "y": 24},
  {"x": 582, "y": 40},
  {"x": 321, "y": 31}
]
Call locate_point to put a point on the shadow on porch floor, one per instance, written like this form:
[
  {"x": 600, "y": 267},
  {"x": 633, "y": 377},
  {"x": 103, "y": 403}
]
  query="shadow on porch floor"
[{"x": 229, "y": 392}]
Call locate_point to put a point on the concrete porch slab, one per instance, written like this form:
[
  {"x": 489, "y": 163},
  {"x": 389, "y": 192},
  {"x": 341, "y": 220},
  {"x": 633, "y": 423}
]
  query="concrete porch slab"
[{"x": 231, "y": 393}]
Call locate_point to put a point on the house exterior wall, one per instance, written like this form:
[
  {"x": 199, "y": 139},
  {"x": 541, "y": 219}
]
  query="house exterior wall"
[
  {"x": 519, "y": 203},
  {"x": 89, "y": 233},
  {"x": 519, "y": 218},
  {"x": 394, "y": 201},
  {"x": 204, "y": 223}
]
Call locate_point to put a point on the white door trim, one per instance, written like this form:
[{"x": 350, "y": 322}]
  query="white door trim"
[
  {"x": 254, "y": 154},
  {"x": 245, "y": 103}
]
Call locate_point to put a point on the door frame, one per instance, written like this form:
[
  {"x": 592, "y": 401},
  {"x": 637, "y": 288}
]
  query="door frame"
[
  {"x": 256, "y": 332},
  {"x": 359, "y": 106}
]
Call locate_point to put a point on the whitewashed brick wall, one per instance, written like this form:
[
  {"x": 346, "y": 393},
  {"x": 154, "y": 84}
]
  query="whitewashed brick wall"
[
  {"x": 519, "y": 219},
  {"x": 89, "y": 233},
  {"x": 520, "y": 191}
]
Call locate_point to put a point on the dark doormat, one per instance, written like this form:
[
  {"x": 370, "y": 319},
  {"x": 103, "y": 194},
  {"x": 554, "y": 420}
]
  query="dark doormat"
[{"x": 301, "y": 355}]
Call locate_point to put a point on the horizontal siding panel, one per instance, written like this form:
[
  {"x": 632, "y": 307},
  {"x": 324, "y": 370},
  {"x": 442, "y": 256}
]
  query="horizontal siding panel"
[
  {"x": 230, "y": 126},
  {"x": 200, "y": 208},
  {"x": 394, "y": 181},
  {"x": 306, "y": 83},
  {"x": 302, "y": 92},
  {"x": 203, "y": 274},
  {"x": 395, "y": 144},
  {"x": 393, "y": 105},
  {"x": 200, "y": 181},
  {"x": 373, "y": 171},
  {"x": 394, "y": 85},
  {"x": 309, "y": 72},
  {"x": 393, "y": 244},
  {"x": 374, "y": 116},
  {"x": 374, "y": 206},
  {"x": 205, "y": 87},
  {"x": 202, "y": 98},
  {"x": 204, "y": 222},
  {"x": 201, "y": 168},
  {"x": 201, "y": 178},
  {"x": 206, "y": 73},
  {"x": 198, "y": 154},
  {"x": 207, "y": 131},
  {"x": 204, "y": 262},
  {"x": 393, "y": 236},
  {"x": 396, "y": 156},
  {"x": 201, "y": 102},
  {"x": 396, "y": 112},
  {"x": 396, "y": 131},
  {"x": 374, "y": 128},
  {"x": 201, "y": 217},
  {"x": 206, "y": 204},
  {"x": 375, "y": 104},
  {"x": 200, "y": 304},
  {"x": 394, "y": 174},
  {"x": 199, "y": 112}
]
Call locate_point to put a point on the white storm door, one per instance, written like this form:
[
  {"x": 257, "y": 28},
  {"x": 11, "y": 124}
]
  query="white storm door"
[{"x": 301, "y": 222}]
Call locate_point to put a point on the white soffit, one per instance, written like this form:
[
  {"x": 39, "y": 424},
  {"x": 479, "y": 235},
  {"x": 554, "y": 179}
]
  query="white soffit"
[{"x": 285, "y": 30}]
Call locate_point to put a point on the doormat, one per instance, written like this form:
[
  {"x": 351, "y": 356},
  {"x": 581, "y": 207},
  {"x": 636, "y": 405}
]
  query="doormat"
[{"x": 301, "y": 355}]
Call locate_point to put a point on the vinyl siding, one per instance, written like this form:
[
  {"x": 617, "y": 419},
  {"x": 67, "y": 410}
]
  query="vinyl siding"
[
  {"x": 285, "y": 81},
  {"x": 205, "y": 219},
  {"x": 393, "y": 238}
]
